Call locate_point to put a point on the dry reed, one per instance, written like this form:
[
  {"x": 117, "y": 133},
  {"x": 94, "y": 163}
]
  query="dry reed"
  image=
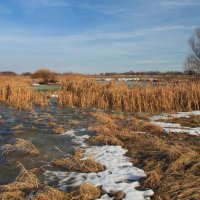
[
  {"x": 87, "y": 93},
  {"x": 20, "y": 95},
  {"x": 24, "y": 183}
]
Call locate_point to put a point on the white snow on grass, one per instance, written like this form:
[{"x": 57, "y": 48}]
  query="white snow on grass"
[
  {"x": 120, "y": 174},
  {"x": 176, "y": 128}
]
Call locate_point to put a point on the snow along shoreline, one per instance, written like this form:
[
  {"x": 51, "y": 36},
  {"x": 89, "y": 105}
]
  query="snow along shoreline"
[
  {"x": 176, "y": 128},
  {"x": 120, "y": 174}
]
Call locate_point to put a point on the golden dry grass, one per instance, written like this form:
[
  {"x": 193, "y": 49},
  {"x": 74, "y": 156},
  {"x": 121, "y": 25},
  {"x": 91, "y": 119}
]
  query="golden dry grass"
[
  {"x": 191, "y": 121},
  {"x": 27, "y": 182},
  {"x": 49, "y": 193},
  {"x": 20, "y": 146},
  {"x": 19, "y": 94},
  {"x": 77, "y": 165},
  {"x": 171, "y": 161},
  {"x": 84, "y": 92},
  {"x": 59, "y": 130},
  {"x": 24, "y": 183}
]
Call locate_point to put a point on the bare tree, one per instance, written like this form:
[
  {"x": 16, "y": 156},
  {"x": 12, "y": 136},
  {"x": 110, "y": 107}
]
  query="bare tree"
[{"x": 192, "y": 62}]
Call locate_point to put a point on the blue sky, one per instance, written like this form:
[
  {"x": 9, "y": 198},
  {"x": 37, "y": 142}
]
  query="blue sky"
[{"x": 93, "y": 36}]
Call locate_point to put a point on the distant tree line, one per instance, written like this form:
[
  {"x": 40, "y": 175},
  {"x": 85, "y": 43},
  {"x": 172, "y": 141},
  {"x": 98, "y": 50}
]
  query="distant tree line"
[
  {"x": 150, "y": 73},
  {"x": 48, "y": 75}
]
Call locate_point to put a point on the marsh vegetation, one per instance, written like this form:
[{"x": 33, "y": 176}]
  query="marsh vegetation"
[{"x": 57, "y": 139}]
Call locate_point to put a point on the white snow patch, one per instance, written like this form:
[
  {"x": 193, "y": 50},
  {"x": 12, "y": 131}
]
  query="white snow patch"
[
  {"x": 120, "y": 174},
  {"x": 54, "y": 96},
  {"x": 70, "y": 133},
  {"x": 176, "y": 128}
]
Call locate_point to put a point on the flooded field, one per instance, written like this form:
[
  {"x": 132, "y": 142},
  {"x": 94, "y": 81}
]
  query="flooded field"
[{"x": 119, "y": 174}]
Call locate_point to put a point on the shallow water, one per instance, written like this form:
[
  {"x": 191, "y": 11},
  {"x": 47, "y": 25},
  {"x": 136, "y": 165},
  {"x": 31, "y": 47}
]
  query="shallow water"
[
  {"x": 36, "y": 130},
  {"x": 120, "y": 174}
]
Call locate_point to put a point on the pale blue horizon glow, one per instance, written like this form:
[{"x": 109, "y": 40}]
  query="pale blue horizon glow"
[{"x": 94, "y": 36}]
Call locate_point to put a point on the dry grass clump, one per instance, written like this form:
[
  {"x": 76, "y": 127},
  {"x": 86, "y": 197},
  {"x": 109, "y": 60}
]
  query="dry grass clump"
[
  {"x": 82, "y": 92},
  {"x": 77, "y": 163},
  {"x": 108, "y": 139},
  {"x": 105, "y": 135},
  {"x": 18, "y": 127},
  {"x": 20, "y": 146},
  {"x": 73, "y": 164},
  {"x": 52, "y": 124},
  {"x": 84, "y": 192},
  {"x": 192, "y": 121},
  {"x": 23, "y": 184},
  {"x": 136, "y": 124},
  {"x": 172, "y": 168},
  {"x": 59, "y": 130},
  {"x": 79, "y": 153},
  {"x": 2, "y": 121},
  {"x": 74, "y": 122},
  {"x": 20, "y": 95},
  {"x": 104, "y": 118},
  {"x": 172, "y": 164},
  {"x": 152, "y": 181},
  {"x": 49, "y": 193},
  {"x": 27, "y": 182},
  {"x": 13, "y": 195},
  {"x": 117, "y": 195}
]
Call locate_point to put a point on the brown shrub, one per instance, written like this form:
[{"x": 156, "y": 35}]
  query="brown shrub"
[{"x": 46, "y": 75}]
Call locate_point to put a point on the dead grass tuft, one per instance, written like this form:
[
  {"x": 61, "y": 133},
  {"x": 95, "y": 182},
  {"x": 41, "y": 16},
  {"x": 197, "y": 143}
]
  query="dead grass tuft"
[
  {"x": 20, "y": 146},
  {"x": 117, "y": 195},
  {"x": 49, "y": 193},
  {"x": 136, "y": 124},
  {"x": 74, "y": 122},
  {"x": 52, "y": 124},
  {"x": 86, "y": 192},
  {"x": 77, "y": 163},
  {"x": 59, "y": 130},
  {"x": 13, "y": 195},
  {"x": 152, "y": 181},
  {"x": 18, "y": 127},
  {"x": 79, "y": 153},
  {"x": 73, "y": 164},
  {"x": 24, "y": 183}
]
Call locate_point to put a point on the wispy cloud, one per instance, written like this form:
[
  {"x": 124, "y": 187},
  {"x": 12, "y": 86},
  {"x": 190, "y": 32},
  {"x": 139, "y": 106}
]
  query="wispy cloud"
[
  {"x": 92, "y": 36},
  {"x": 178, "y": 3},
  {"x": 42, "y": 3}
]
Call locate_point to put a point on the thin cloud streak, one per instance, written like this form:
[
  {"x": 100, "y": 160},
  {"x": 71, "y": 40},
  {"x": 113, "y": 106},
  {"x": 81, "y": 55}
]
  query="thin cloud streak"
[
  {"x": 95, "y": 36},
  {"x": 180, "y": 3}
]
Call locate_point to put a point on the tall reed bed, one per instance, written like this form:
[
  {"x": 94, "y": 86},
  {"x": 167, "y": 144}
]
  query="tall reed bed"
[
  {"x": 20, "y": 95},
  {"x": 118, "y": 96}
]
